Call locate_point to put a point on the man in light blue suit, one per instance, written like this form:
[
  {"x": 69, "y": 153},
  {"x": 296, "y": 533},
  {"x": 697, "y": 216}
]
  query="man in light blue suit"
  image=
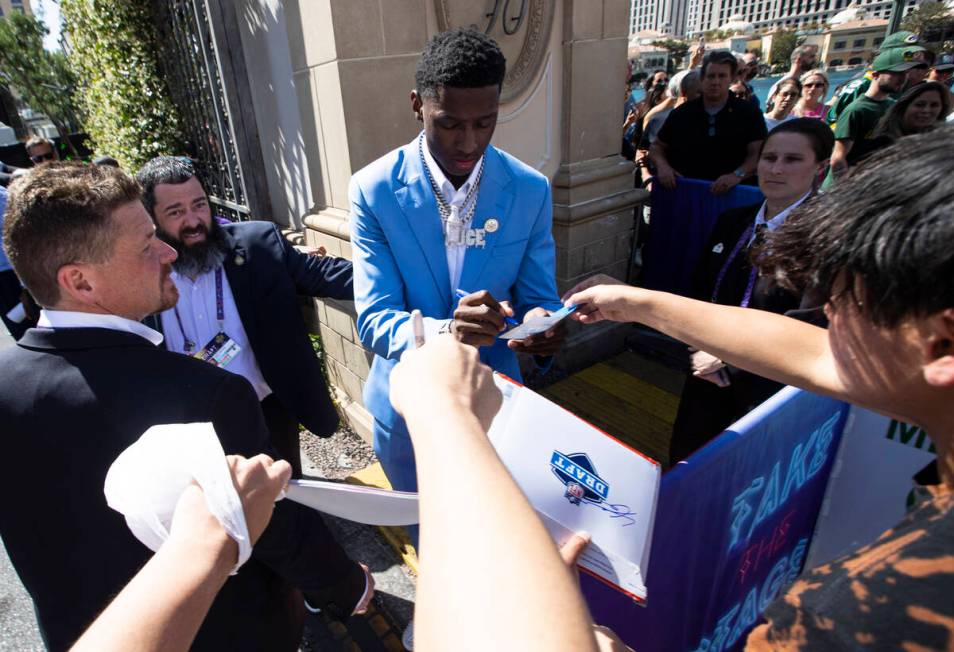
[{"x": 453, "y": 227}]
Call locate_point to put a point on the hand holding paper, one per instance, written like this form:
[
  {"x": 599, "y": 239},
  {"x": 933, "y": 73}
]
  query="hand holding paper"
[{"x": 542, "y": 332}]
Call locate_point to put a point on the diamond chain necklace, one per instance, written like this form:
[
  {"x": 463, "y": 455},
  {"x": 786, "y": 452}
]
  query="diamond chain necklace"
[{"x": 443, "y": 208}]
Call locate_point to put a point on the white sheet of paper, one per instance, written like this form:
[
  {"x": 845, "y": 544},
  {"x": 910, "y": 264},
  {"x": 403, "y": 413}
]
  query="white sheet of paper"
[
  {"x": 368, "y": 505},
  {"x": 529, "y": 431}
]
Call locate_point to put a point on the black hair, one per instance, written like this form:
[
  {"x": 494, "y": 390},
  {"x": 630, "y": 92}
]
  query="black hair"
[
  {"x": 162, "y": 169},
  {"x": 648, "y": 83},
  {"x": 816, "y": 131},
  {"x": 105, "y": 160},
  {"x": 722, "y": 57},
  {"x": 884, "y": 233},
  {"x": 460, "y": 58}
]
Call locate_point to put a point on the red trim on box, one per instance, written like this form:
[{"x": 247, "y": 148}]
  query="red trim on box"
[{"x": 631, "y": 596}]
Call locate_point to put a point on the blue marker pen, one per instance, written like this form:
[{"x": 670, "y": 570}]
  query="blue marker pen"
[{"x": 509, "y": 321}]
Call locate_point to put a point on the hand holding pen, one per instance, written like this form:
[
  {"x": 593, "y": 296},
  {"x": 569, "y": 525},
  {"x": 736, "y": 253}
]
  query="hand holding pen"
[{"x": 479, "y": 318}]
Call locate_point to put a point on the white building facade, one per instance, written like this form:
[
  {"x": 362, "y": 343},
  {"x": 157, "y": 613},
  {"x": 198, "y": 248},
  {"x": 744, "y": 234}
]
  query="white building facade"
[
  {"x": 666, "y": 16},
  {"x": 705, "y": 15}
]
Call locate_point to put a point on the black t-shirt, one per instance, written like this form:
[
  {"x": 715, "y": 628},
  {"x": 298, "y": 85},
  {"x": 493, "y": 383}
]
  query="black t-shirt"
[{"x": 702, "y": 148}]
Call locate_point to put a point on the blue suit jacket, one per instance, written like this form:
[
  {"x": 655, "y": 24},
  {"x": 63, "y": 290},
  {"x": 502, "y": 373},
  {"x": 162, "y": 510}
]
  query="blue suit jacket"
[{"x": 400, "y": 262}]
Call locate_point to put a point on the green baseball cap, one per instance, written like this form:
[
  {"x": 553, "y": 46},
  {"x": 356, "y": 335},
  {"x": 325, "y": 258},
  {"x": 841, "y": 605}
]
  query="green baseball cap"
[
  {"x": 894, "y": 60},
  {"x": 907, "y": 40}
]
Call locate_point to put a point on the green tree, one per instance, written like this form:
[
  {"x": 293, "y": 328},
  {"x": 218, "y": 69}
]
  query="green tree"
[
  {"x": 784, "y": 43},
  {"x": 931, "y": 18},
  {"x": 43, "y": 79},
  {"x": 127, "y": 109},
  {"x": 677, "y": 51}
]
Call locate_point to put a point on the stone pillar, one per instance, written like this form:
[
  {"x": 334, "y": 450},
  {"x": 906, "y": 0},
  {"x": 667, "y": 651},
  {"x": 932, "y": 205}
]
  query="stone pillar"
[
  {"x": 593, "y": 193},
  {"x": 353, "y": 65}
]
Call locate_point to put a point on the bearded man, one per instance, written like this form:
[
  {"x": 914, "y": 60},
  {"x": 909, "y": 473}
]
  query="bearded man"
[{"x": 238, "y": 302}]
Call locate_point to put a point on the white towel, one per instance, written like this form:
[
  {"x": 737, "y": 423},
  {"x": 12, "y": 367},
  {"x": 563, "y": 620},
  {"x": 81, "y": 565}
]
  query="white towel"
[{"x": 145, "y": 482}]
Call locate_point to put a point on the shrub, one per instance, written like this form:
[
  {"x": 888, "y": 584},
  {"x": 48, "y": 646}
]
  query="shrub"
[{"x": 126, "y": 106}]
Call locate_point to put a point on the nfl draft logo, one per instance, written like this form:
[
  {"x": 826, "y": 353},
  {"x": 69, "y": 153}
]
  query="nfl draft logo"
[{"x": 578, "y": 475}]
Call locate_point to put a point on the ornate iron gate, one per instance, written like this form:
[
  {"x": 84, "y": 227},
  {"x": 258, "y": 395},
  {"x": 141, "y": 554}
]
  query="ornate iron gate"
[{"x": 203, "y": 61}]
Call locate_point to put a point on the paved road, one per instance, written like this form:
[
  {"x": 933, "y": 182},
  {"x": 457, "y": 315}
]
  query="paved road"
[{"x": 395, "y": 590}]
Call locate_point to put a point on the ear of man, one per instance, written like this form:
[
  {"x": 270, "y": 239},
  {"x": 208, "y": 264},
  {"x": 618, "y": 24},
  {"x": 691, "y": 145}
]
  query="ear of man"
[
  {"x": 76, "y": 287},
  {"x": 939, "y": 349},
  {"x": 417, "y": 105}
]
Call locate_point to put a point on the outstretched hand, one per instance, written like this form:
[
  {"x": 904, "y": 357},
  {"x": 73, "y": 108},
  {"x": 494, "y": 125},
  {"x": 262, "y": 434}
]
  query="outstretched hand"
[
  {"x": 444, "y": 372},
  {"x": 601, "y": 298}
]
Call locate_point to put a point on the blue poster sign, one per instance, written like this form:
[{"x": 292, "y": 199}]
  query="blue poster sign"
[
  {"x": 733, "y": 525},
  {"x": 682, "y": 221}
]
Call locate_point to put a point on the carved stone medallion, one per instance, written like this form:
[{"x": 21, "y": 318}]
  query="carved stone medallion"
[{"x": 520, "y": 27}]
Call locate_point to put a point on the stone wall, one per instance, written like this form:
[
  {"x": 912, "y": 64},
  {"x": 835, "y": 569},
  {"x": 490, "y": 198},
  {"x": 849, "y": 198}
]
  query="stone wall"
[{"x": 353, "y": 63}]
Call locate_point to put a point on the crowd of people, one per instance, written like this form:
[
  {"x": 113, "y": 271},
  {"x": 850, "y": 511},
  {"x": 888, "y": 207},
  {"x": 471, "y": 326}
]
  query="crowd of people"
[{"x": 848, "y": 293}]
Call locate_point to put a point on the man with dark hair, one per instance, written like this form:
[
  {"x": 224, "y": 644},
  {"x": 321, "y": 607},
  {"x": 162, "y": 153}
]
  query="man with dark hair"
[
  {"x": 238, "y": 306},
  {"x": 78, "y": 390},
  {"x": 41, "y": 150},
  {"x": 880, "y": 245},
  {"x": 453, "y": 227},
  {"x": 715, "y": 137}
]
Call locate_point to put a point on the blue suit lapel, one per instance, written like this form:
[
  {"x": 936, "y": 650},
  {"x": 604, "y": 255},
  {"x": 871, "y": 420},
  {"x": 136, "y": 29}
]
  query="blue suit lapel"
[
  {"x": 493, "y": 201},
  {"x": 421, "y": 217}
]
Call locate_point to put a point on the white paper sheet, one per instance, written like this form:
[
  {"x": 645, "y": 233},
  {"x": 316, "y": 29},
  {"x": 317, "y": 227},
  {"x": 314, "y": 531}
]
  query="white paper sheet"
[
  {"x": 531, "y": 433},
  {"x": 368, "y": 505}
]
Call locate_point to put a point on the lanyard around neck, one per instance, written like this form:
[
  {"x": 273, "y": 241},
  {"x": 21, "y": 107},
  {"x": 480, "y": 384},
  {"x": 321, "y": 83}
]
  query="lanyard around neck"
[
  {"x": 189, "y": 345},
  {"x": 750, "y": 286}
]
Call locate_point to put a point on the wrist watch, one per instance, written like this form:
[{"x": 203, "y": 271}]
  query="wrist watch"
[{"x": 740, "y": 173}]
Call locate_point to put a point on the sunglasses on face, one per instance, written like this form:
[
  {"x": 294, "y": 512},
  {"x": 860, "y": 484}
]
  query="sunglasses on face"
[
  {"x": 39, "y": 158},
  {"x": 814, "y": 85}
]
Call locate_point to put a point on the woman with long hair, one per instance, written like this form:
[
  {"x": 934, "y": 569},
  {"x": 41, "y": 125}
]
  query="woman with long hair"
[
  {"x": 814, "y": 89},
  {"x": 922, "y": 108}
]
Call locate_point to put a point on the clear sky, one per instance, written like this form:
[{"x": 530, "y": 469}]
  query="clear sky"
[{"x": 49, "y": 12}]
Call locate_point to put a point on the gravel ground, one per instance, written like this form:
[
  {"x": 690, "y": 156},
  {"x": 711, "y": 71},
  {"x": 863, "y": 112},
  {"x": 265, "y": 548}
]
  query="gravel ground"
[{"x": 338, "y": 456}]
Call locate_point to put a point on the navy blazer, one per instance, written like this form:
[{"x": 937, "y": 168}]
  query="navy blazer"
[
  {"x": 71, "y": 400},
  {"x": 266, "y": 274}
]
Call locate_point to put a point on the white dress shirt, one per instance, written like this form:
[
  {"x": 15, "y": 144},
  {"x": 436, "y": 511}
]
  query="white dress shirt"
[
  {"x": 197, "y": 311},
  {"x": 453, "y": 197},
  {"x": 71, "y": 319},
  {"x": 776, "y": 221}
]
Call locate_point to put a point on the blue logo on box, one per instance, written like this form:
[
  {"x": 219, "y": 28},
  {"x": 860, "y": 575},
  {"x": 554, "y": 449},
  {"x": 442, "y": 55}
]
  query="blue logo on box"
[{"x": 579, "y": 476}]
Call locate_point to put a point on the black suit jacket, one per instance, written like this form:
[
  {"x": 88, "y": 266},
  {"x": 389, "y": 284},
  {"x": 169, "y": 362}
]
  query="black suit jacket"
[
  {"x": 71, "y": 400},
  {"x": 728, "y": 229},
  {"x": 266, "y": 274}
]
